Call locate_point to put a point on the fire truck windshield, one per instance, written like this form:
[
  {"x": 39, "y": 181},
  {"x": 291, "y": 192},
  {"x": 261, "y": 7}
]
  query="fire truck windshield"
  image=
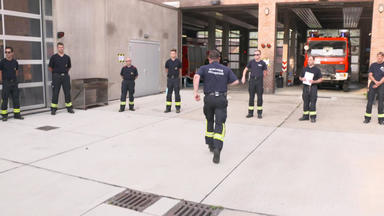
[{"x": 327, "y": 48}]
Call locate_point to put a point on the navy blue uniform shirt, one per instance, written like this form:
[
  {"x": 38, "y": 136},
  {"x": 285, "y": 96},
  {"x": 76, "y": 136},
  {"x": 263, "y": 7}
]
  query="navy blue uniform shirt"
[
  {"x": 129, "y": 73},
  {"x": 257, "y": 68},
  {"x": 60, "y": 64},
  {"x": 173, "y": 67},
  {"x": 377, "y": 70},
  {"x": 216, "y": 77},
  {"x": 315, "y": 70},
  {"x": 9, "y": 69}
]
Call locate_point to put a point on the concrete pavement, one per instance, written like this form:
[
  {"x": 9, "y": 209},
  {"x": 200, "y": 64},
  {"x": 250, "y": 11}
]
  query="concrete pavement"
[{"x": 274, "y": 166}]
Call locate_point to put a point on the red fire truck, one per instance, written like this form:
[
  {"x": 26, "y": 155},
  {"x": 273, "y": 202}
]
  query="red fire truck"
[{"x": 331, "y": 57}]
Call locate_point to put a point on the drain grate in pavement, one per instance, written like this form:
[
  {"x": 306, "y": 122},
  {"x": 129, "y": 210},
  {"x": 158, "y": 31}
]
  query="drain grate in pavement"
[
  {"x": 47, "y": 128},
  {"x": 134, "y": 200},
  {"x": 185, "y": 208}
]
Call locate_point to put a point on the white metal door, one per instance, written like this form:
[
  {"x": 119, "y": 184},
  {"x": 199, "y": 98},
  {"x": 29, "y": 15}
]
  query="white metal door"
[{"x": 146, "y": 57}]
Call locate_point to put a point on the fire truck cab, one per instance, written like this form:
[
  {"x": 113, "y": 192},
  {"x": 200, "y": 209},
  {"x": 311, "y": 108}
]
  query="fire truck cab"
[{"x": 331, "y": 57}]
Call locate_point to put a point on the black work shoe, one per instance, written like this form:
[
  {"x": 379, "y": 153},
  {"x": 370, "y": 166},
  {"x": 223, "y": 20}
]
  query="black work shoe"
[
  {"x": 177, "y": 111},
  {"x": 121, "y": 110},
  {"x": 211, "y": 148},
  {"x": 259, "y": 116},
  {"x": 167, "y": 111},
  {"x": 381, "y": 122},
  {"x": 249, "y": 116},
  {"x": 216, "y": 156},
  {"x": 70, "y": 110},
  {"x": 53, "y": 112},
  {"x": 18, "y": 116},
  {"x": 132, "y": 109},
  {"x": 366, "y": 121},
  {"x": 304, "y": 118},
  {"x": 313, "y": 120},
  {"x": 4, "y": 119}
]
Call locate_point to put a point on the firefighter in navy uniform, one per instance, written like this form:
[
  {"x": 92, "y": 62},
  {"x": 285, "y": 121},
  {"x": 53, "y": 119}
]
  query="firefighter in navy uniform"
[
  {"x": 376, "y": 87},
  {"x": 310, "y": 91},
  {"x": 258, "y": 70},
  {"x": 129, "y": 75},
  {"x": 9, "y": 69},
  {"x": 173, "y": 69},
  {"x": 59, "y": 65},
  {"x": 216, "y": 78}
]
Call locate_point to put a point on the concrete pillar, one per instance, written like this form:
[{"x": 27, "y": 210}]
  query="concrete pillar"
[
  {"x": 267, "y": 35},
  {"x": 225, "y": 51},
  {"x": 212, "y": 34},
  {"x": 377, "y": 39},
  {"x": 244, "y": 42},
  {"x": 292, "y": 58},
  {"x": 285, "y": 48}
]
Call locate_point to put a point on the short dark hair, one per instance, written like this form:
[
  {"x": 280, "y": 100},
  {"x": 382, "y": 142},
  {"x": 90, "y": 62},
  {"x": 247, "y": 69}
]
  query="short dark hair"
[
  {"x": 380, "y": 53},
  {"x": 214, "y": 55},
  {"x": 8, "y": 47},
  {"x": 311, "y": 56},
  {"x": 60, "y": 44},
  {"x": 174, "y": 50}
]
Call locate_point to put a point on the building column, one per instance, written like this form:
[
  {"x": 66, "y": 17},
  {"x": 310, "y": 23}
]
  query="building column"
[
  {"x": 284, "y": 61},
  {"x": 377, "y": 39},
  {"x": 225, "y": 42},
  {"x": 292, "y": 59},
  {"x": 211, "y": 34},
  {"x": 267, "y": 35}
]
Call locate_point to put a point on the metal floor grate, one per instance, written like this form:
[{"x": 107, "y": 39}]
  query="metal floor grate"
[
  {"x": 134, "y": 200},
  {"x": 47, "y": 128},
  {"x": 185, "y": 208}
]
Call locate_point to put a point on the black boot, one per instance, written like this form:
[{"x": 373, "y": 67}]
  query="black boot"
[
  {"x": 381, "y": 121},
  {"x": 122, "y": 108},
  {"x": 131, "y": 108},
  {"x": 304, "y": 118},
  {"x": 216, "y": 156},
  {"x": 313, "y": 120},
  {"x": 70, "y": 110},
  {"x": 367, "y": 120},
  {"x": 53, "y": 111},
  {"x": 259, "y": 114},
  {"x": 177, "y": 109},
  {"x": 250, "y": 114},
  {"x": 211, "y": 147},
  {"x": 4, "y": 117},
  {"x": 167, "y": 109},
  {"x": 18, "y": 116}
]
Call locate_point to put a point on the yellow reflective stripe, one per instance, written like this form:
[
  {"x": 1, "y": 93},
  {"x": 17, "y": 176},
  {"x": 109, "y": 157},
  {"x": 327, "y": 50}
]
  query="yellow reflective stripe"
[
  {"x": 306, "y": 113},
  {"x": 220, "y": 136},
  {"x": 123, "y": 103},
  {"x": 251, "y": 108},
  {"x": 169, "y": 103},
  {"x": 131, "y": 103},
  {"x": 312, "y": 113},
  {"x": 207, "y": 133},
  {"x": 4, "y": 112},
  {"x": 177, "y": 103},
  {"x": 68, "y": 104},
  {"x": 259, "y": 108},
  {"x": 16, "y": 110},
  {"x": 368, "y": 114},
  {"x": 53, "y": 105},
  {"x": 380, "y": 115}
]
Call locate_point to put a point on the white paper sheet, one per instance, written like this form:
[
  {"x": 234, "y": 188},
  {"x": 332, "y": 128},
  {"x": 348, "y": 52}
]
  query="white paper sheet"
[{"x": 308, "y": 77}]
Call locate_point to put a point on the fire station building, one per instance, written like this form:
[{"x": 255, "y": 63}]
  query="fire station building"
[{"x": 97, "y": 33}]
